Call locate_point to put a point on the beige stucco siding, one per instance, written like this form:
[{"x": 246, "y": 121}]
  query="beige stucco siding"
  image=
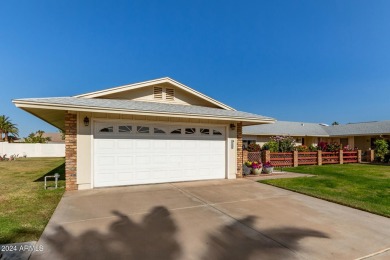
[
  {"x": 85, "y": 141},
  {"x": 363, "y": 142},
  {"x": 146, "y": 94}
]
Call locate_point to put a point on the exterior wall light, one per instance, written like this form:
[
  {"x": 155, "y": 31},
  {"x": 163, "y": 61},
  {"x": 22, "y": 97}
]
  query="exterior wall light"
[
  {"x": 86, "y": 121},
  {"x": 233, "y": 127}
]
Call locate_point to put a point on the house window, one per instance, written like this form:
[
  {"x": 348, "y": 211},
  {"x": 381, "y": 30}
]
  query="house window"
[
  {"x": 176, "y": 131},
  {"x": 157, "y": 92},
  {"x": 158, "y": 131},
  {"x": 170, "y": 94},
  {"x": 143, "y": 129},
  {"x": 109, "y": 129},
  {"x": 204, "y": 131},
  {"x": 190, "y": 131},
  {"x": 125, "y": 128}
]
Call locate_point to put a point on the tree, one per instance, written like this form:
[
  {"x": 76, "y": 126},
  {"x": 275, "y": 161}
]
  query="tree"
[
  {"x": 335, "y": 123},
  {"x": 7, "y": 127},
  {"x": 37, "y": 137}
]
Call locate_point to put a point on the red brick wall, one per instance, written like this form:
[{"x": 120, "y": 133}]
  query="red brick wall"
[
  {"x": 71, "y": 151},
  {"x": 239, "y": 150}
]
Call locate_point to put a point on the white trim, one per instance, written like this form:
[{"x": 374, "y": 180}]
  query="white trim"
[
  {"x": 92, "y": 161},
  {"x": 123, "y": 88}
]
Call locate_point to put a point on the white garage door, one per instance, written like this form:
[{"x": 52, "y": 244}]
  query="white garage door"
[{"x": 141, "y": 153}]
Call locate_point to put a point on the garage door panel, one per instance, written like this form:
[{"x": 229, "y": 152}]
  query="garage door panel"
[
  {"x": 125, "y": 161},
  {"x": 148, "y": 158},
  {"x": 105, "y": 176},
  {"x": 102, "y": 161},
  {"x": 142, "y": 144},
  {"x": 106, "y": 144},
  {"x": 125, "y": 144}
]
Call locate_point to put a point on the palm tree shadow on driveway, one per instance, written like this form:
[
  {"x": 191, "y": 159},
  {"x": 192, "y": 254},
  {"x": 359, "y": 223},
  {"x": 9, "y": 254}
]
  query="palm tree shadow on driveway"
[{"x": 155, "y": 238}]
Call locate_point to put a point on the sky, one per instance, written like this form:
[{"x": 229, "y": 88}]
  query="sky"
[{"x": 294, "y": 60}]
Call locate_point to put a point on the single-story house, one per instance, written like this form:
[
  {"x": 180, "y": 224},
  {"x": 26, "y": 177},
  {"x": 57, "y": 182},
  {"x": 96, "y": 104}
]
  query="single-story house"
[
  {"x": 149, "y": 132},
  {"x": 360, "y": 135}
]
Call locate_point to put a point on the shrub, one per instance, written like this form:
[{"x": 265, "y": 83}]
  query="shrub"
[
  {"x": 272, "y": 146},
  {"x": 313, "y": 148},
  {"x": 322, "y": 146},
  {"x": 253, "y": 147},
  {"x": 302, "y": 148},
  {"x": 285, "y": 143},
  {"x": 381, "y": 149},
  {"x": 333, "y": 147}
]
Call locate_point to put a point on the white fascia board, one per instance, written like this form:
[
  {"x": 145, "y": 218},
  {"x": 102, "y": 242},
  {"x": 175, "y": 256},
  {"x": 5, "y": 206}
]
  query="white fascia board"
[{"x": 153, "y": 82}]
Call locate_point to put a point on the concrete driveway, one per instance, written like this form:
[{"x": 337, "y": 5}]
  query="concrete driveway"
[{"x": 224, "y": 219}]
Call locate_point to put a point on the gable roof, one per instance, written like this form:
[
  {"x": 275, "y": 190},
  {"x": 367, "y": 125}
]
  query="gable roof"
[
  {"x": 104, "y": 92},
  {"x": 315, "y": 129}
]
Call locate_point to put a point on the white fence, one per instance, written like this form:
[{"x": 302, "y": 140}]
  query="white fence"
[{"x": 32, "y": 150}]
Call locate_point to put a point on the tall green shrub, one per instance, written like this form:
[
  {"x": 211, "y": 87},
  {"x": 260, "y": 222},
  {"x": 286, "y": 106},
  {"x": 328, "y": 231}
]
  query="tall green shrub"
[
  {"x": 381, "y": 149},
  {"x": 272, "y": 146}
]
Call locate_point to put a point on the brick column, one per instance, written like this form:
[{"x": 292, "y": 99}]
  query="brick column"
[
  {"x": 239, "y": 150},
  {"x": 341, "y": 157},
  {"x": 244, "y": 156},
  {"x": 71, "y": 151},
  {"x": 319, "y": 157},
  {"x": 295, "y": 158},
  {"x": 265, "y": 156}
]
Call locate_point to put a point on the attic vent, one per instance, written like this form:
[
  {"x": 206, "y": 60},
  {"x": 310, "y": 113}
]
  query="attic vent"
[
  {"x": 170, "y": 94},
  {"x": 157, "y": 92}
]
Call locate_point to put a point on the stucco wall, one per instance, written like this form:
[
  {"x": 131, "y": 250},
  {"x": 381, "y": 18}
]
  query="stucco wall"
[
  {"x": 363, "y": 142},
  {"x": 146, "y": 94},
  {"x": 85, "y": 142}
]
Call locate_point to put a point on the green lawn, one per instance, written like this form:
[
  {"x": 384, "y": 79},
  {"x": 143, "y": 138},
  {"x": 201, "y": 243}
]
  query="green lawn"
[
  {"x": 25, "y": 207},
  {"x": 361, "y": 186}
]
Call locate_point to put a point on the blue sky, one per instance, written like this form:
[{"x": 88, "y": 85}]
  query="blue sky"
[{"x": 311, "y": 61}]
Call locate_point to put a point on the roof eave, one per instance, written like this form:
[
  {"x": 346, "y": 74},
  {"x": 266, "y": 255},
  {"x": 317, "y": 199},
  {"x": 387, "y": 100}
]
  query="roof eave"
[{"x": 25, "y": 104}]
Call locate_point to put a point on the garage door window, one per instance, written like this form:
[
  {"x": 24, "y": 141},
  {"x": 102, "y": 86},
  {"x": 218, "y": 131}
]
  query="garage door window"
[
  {"x": 143, "y": 129},
  {"x": 109, "y": 129},
  {"x": 176, "y": 131},
  {"x": 204, "y": 131},
  {"x": 190, "y": 131},
  {"x": 159, "y": 131},
  {"x": 125, "y": 128},
  {"x": 216, "y": 132}
]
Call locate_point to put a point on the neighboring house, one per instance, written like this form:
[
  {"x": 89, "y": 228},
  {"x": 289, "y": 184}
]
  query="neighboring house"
[
  {"x": 150, "y": 132},
  {"x": 55, "y": 138},
  {"x": 360, "y": 135}
]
